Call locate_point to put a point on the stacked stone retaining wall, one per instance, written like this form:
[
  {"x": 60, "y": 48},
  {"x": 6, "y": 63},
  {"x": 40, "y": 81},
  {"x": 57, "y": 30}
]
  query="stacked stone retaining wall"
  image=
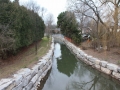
[
  {"x": 29, "y": 79},
  {"x": 101, "y": 65}
]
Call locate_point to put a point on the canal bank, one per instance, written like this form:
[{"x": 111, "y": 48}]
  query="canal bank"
[
  {"x": 101, "y": 65},
  {"x": 70, "y": 73},
  {"x": 29, "y": 78}
]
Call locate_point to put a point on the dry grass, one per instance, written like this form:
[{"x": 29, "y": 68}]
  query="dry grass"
[{"x": 25, "y": 59}]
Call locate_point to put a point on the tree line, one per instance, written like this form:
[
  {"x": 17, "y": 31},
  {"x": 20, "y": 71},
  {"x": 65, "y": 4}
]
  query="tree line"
[
  {"x": 19, "y": 27},
  {"x": 101, "y": 18},
  {"x": 69, "y": 26}
]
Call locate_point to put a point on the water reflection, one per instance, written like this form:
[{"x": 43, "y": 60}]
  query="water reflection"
[
  {"x": 68, "y": 62},
  {"x": 69, "y": 74}
]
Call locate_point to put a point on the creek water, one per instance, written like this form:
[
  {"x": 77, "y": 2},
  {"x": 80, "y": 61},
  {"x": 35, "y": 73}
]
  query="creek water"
[{"x": 68, "y": 73}]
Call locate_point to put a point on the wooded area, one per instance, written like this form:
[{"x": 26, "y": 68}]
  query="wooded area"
[
  {"x": 69, "y": 26},
  {"x": 100, "y": 18},
  {"x": 19, "y": 26}
]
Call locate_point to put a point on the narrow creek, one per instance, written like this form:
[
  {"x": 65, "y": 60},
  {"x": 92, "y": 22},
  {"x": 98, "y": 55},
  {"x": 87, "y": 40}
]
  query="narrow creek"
[{"x": 68, "y": 73}]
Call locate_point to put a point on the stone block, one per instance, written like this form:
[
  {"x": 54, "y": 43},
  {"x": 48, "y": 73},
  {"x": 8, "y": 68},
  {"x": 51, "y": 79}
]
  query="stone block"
[
  {"x": 39, "y": 73},
  {"x": 7, "y": 85},
  {"x": 118, "y": 69},
  {"x": 26, "y": 80},
  {"x": 3, "y": 81},
  {"x": 50, "y": 61},
  {"x": 112, "y": 67},
  {"x": 78, "y": 56},
  {"x": 19, "y": 87},
  {"x": 34, "y": 79},
  {"x": 86, "y": 61},
  {"x": 33, "y": 73},
  {"x": 97, "y": 66},
  {"x": 41, "y": 64},
  {"x": 116, "y": 75},
  {"x": 44, "y": 61},
  {"x": 34, "y": 88},
  {"x": 85, "y": 55},
  {"x": 96, "y": 61},
  {"x": 92, "y": 60},
  {"x": 90, "y": 63},
  {"x": 18, "y": 79},
  {"x": 29, "y": 86},
  {"x": 43, "y": 75},
  {"x": 25, "y": 72},
  {"x": 47, "y": 63},
  {"x": 44, "y": 68},
  {"x": 39, "y": 79},
  {"x": 36, "y": 68},
  {"x": 105, "y": 70},
  {"x": 88, "y": 57},
  {"x": 103, "y": 63}
]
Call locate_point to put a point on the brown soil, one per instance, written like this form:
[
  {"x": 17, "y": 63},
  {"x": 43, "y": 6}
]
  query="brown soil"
[
  {"x": 25, "y": 58},
  {"x": 12, "y": 61},
  {"x": 112, "y": 56}
]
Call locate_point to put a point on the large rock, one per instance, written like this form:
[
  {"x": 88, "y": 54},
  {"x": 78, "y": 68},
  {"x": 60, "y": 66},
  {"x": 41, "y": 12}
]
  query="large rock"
[
  {"x": 4, "y": 81},
  {"x": 36, "y": 68},
  {"x": 89, "y": 57},
  {"x": 19, "y": 87},
  {"x": 29, "y": 86},
  {"x": 33, "y": 73},
  {"x": 92, "y": 59},
  {"x": 18, "y": 79},
  {"x": 103, "y": 63},
  {"x": 116, "y": 75},
  {"x": 39, "y": 73},
  {"x": 44, "y": 68},
  {"x": 105, "y": 70},
  {"x": 112, "y": 67},
  {"x": 96, "y": 61},
  {"x": 97, "y": 66},
  {"x": 26, "y": 80},
  {"x": 34, "y": 79},
  {"x": 41, "y": 64},
  {"x": 7, "y": 84}
]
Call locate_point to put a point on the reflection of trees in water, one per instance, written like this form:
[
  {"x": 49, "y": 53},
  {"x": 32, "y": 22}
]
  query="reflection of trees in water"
[
  {"x": 83, "y": 85},
  {"x": 95, "y": 82},
  {"x": 68, "y": 62}
]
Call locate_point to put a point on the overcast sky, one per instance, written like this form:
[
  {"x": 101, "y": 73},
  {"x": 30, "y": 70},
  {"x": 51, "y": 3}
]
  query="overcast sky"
[{"x": 53, "y": 6}]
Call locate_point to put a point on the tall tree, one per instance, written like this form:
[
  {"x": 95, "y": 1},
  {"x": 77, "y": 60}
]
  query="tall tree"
[{"x": 69, "y": 26}]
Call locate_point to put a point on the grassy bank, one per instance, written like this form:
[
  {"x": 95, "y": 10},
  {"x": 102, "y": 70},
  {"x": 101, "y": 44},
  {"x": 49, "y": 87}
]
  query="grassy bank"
[{"x": 25, "y": 59}]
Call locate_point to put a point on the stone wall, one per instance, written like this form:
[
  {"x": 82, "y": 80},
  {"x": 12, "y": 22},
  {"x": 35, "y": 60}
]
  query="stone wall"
[
  {"x": 29, "y": 79},
  {"x": 101, "y": 65}
]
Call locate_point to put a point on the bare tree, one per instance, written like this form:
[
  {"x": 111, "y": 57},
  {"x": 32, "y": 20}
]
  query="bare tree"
[
  {"x": 94, "y": 10},
  {"x": 114, "y": 6},
  {"x": 49, "y": 22}
]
